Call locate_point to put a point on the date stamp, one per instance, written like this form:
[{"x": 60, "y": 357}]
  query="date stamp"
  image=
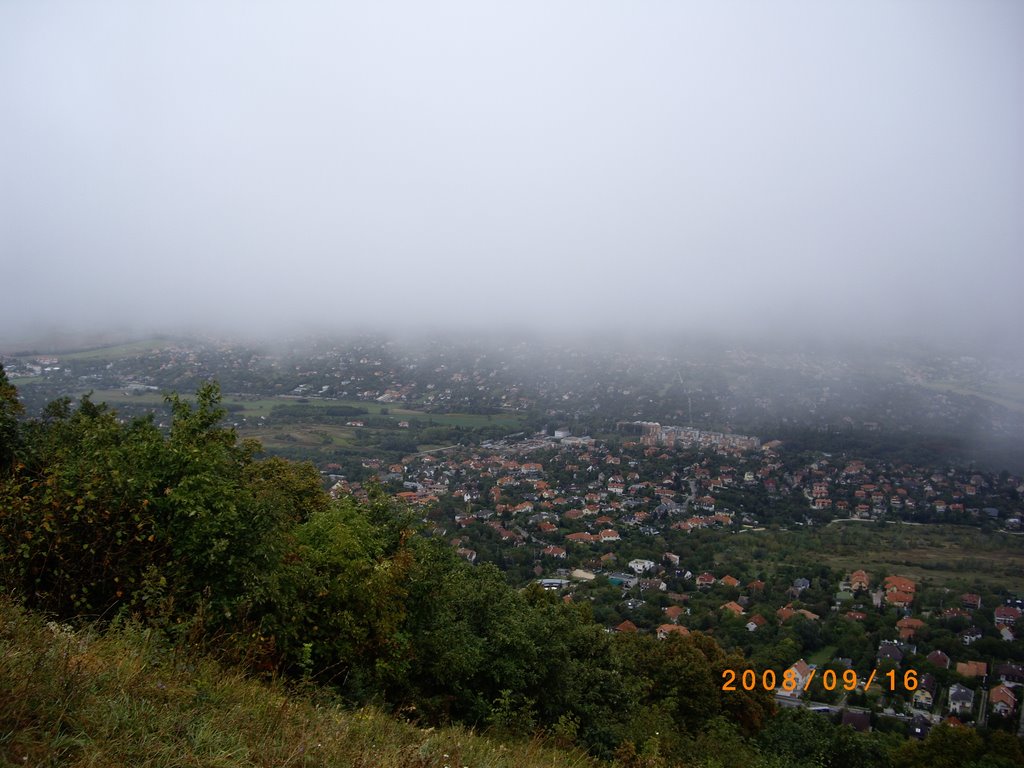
[{"x": 790, "y": 680}]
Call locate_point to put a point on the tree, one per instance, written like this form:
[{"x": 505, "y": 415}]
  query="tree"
[
  {"x": 10, "y": 410},
  {"x": 80, "y": 524},
  {"x": 946, "y": 746}
]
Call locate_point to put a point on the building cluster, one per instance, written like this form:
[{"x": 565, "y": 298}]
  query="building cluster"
[{"x": 654, "y": 434}]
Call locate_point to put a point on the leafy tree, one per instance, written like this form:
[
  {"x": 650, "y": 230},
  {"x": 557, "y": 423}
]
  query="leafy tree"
[
  {"x": 80, "y": 524},
  {"x": 946, "y": 746},
  {"x": 10, "y": 410},
  {"x": 339, "y": 600},
  {"x": 800, "y": 737}
]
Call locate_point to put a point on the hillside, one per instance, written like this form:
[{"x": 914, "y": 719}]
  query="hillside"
[
  {"x": 126, "y": 697},
  {"x": 168, "y": 549}
]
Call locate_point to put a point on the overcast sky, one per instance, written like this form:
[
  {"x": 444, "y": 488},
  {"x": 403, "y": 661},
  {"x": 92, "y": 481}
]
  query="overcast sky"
[{"x": 856, "y": 167}]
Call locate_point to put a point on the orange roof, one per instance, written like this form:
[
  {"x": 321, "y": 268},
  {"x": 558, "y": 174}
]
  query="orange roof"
[
  {"x": 667, "y": 629},
  {"x": 899, "y": 584},
  {"x": 898, "y": 597},
  {"x": 972, "y": 668}
]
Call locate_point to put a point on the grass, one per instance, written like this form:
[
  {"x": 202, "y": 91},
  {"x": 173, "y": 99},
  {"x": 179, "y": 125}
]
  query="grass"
[
  {"x": 117, "y": 351},
  {"x": 253, "y": 409},
  {"x": 78, "y": 698},
  {"x": 824, "y": 655},
  {"x": 954, "y": 556},
  {"x": 944, "y": 555},
  {"x": 116, "y": 396},
  {"x": 305, "y": 436}
]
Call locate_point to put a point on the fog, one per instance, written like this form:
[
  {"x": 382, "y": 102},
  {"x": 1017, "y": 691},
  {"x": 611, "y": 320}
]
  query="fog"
[{"x": 838, "y": 169}]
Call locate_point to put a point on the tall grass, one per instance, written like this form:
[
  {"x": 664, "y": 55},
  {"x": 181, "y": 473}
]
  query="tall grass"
[{"x": 127, "y": 698}]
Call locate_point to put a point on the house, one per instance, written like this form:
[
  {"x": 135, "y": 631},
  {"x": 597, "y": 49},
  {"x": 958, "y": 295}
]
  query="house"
[
  {"x": 756, "y": 622},
  {"x": 673, "y": 613},
  {"x": 961, "y": 699},
  {"x": 553, "y": 584},
  {"x": 970, "y": 635},
  {"x": 801, "y": 671},
  {"x": 581, "y": 538},
  {"x": 671, "y": 629},
  {"x": 1007, "y": 614},
  {"x": 919, "y": 727},
  {"x": 706, "y": 580},
  {"x": 899, "y": 584},
  {"x": 972, "y": 668},
  {"x": 924, "y": 696},
  {"x": 556, "y": 552},
  {"x": 641, "y": 566},
  {"x": 1002, "y": 700},
  {"x": 889, "y": 651},
  {"x": 626, "y": 626},
  {"x": 609, "y": 535},
  {"x": 1011, "y": 673},
  {"x": 970, "y": 600},
  {"x": 899, "y": 590},
  {"x": 908, "y": 627},
  {"x": 733, "y": 607},
  {"x": 859, "y": 721},
  {"x": 939, "y": 659},
  {"x": 729, "y": 581},
  {"x": 899, "y": 599}
]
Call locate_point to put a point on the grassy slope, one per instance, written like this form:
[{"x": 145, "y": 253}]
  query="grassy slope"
[{"x": 77, "y": 699}]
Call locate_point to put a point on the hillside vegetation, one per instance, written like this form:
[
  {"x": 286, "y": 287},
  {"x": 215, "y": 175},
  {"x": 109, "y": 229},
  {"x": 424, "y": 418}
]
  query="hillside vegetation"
[
  {"x": 168, "y": 549},
  {"x": 126, "y": 697}
]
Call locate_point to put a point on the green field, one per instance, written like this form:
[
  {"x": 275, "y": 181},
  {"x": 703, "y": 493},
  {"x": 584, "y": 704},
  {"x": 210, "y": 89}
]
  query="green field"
[
  {"x": 323, "y": 439},
  {"x": 953, "y": 556},
  {"x": 254, "y": 408},
  {"x": 823, "y": 656},
  {"x": 301, "y": 436},
  {"x": 115, "y": 396},
  {"x": 115, "y": 352}
]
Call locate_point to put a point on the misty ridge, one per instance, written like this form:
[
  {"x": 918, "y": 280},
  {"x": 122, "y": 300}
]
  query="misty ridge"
[
  {"x": 794, "y": 221},
  {"x": 916, "y": 404},
  {"x": 792, "y": 171}
]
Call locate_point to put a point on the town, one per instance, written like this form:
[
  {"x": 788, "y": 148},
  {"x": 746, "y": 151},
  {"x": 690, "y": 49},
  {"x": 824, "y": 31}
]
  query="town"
[{"x": 796, "y": 522}]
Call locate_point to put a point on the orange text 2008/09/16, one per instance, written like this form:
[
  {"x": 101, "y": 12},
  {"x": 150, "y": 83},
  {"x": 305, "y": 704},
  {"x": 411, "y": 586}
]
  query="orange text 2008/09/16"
[{"x": 790, "y": 680}]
